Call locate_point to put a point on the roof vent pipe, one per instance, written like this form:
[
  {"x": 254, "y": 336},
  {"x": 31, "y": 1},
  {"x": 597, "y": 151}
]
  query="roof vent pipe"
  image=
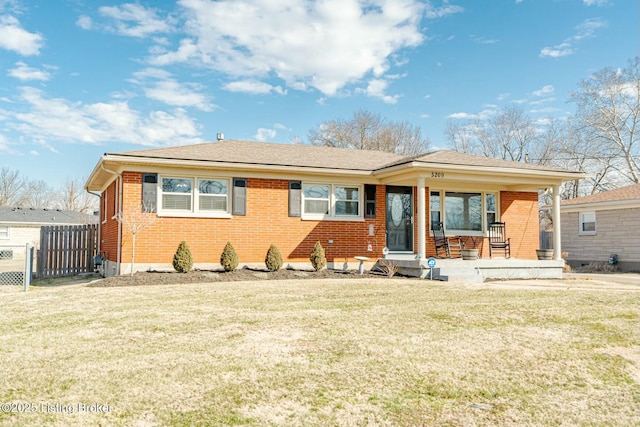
[{"x": 220, "y": 136}]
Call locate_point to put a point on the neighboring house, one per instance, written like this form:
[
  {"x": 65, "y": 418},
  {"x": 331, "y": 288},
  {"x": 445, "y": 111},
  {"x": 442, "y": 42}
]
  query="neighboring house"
[
  {"x": 355, "y": 202},
  {"x": 21, "y": 226},
  {"x": 596, "y": 226}
]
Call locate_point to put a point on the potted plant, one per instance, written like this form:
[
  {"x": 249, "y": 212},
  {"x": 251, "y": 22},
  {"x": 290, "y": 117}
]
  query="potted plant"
[
  {"x": 544, "y": 253},
  {"x": 469, "y": 254}
]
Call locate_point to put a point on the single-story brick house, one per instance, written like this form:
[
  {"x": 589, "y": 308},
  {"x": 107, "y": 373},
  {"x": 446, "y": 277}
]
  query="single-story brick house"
[
  {"x": 595, "y": 227},
  {"x": 355, "y": 202}
]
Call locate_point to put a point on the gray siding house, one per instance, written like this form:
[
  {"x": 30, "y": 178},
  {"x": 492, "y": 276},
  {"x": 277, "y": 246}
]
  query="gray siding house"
[
  {"x": 19, "y": 226},
  {"x": 598, "y": 226}
]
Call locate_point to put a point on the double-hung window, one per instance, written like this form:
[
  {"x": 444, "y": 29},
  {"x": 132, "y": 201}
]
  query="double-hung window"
[
  {"x": 187, "y": 196},
  {"x": 4, "y": 232},
  {"x": 587, "y": 223},
  {"x": 213, "y": 194},
  {"x": 177, "y": 194},
  {"x": 327, "y": 201}
]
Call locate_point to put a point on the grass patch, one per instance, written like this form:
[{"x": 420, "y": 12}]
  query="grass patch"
[{"x": 372, "y": 352}]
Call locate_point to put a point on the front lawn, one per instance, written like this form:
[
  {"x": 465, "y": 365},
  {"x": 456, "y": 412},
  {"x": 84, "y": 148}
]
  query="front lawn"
[{"x": 311, "y": 352}]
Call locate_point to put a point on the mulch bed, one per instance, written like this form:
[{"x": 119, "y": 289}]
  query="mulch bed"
[{"x": 244, "y": 274}]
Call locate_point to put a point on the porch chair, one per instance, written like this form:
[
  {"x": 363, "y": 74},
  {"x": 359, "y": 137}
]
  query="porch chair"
[
  {"x": 445, "y": 244},
  {"x": 498, "y": 239}
]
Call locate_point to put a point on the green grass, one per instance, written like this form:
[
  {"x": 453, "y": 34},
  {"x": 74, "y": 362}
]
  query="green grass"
[{"x": 321, "y": 353}]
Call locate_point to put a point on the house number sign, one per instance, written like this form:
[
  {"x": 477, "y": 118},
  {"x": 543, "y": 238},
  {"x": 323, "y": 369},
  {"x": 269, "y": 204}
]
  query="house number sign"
[{"x": 437, "y": 174}]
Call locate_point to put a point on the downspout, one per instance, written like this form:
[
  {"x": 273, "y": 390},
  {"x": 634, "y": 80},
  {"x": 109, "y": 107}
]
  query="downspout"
[
  {"x": 119, "y": 204},
  {"x": 99, "y": 196}
]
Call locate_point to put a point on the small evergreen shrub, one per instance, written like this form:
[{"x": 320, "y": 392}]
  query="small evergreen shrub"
[
  {"x": 229, "y": 258},
  {"x": 182, "y": 260},
  {"x": 273, "y": 260},
  {"x": 318, "y": 261}
]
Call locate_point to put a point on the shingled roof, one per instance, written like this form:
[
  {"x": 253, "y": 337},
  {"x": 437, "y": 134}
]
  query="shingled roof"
[
  {"x": 298, "y": 158},
  {"x": 263, "y": 153},
  {"x": 44, "y": 216},
  {"x": 629, "y": 193}
]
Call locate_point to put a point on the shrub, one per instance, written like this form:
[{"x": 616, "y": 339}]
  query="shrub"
[
  {"x": 229, "y": 258},
  {"x": 182, "y": 260},
  {"x": 273, "y": 260},
  {"x": 318, "y": 261}
]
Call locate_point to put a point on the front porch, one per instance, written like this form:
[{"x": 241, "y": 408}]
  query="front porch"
[{"x": 475, "y": 271}]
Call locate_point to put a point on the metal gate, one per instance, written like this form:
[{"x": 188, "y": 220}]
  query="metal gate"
[{"x": 16, "y": 265}]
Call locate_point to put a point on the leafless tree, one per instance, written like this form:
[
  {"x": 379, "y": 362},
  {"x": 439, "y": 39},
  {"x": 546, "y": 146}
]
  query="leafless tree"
[
  {"x": 39, "y": 195},
  {"x": 510, "y": 135},
  {"x": 72, "y": 196},
  {"x": 134, "y": 221},
  {"x": 609, "y": 115},
  {"x": 11, "y": 187},
  {"x": 369, "y": 131}
]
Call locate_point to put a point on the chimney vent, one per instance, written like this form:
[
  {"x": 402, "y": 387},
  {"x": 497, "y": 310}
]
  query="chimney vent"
[{"x": 220, "y": 136}]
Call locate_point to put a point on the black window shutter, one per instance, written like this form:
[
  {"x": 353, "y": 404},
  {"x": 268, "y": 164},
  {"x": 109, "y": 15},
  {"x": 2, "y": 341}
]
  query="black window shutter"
[
  {"x": 370, "y": 201},
  {"x": 149, "y": 192},
  {"x": 239, "y": 196},
  {"x": 295, "y": 198}
]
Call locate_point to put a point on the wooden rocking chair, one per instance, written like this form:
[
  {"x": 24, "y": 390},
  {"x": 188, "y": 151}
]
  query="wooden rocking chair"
[
  {"x": 443, "y": 243},
  {"x": 498, "y": 239}
]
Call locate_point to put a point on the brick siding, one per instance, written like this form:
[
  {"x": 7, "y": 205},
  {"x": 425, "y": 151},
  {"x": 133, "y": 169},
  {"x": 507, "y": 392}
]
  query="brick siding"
[{"x": 267, "y": 221}]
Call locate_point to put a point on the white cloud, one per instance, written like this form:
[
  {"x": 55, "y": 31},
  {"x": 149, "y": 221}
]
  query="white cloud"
[
  {"x": 585, "y": 30},
  {"x": 544, "y": 91},
  {"x": 14, "y": 37},
  {"x": 253, "y": 86},
  {"x": 376, "y": 89},
  {"x": 484, "y": 40},
  {"x": 159, "y": 85},
  {"x": 264, "y": 134},
  {"x": 134, "y": 20},
  {"x": 84, "y": 22},
  {"x": 482, "y": 115},
  {"x": 595, "y": 2},
  {"x": 24, "y": 72},
  {"x": 444, "y": 10},
  {"x": 542, "y": 101},
  {"x": 58, "y": 119},
  {"x": 324, "y": 45}
]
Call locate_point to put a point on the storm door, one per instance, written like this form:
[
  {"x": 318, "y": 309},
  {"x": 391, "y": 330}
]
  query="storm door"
[{"x": 400, "y": 219}]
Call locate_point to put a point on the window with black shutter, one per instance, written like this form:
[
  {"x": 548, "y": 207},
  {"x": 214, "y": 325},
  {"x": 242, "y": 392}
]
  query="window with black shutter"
[
  {"x": 295, "y": 198},
  {"x": 149, "y": 192},
  {"x": 370, "y": 201},
  {"x": 239, "y": 196}
]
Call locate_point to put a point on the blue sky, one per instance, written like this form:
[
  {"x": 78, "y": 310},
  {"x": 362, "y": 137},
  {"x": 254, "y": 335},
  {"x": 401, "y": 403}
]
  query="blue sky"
[{"x": 82, "y": 77}]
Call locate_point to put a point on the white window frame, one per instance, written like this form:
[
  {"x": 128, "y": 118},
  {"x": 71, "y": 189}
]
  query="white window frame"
[
  {"x": 332, "y": 216},
  {"x": 194, "y": 210},
  {"x": 581, "y": 222},
  {"x": 443, "y": 211},
  {"x": 5, "y": 235}
]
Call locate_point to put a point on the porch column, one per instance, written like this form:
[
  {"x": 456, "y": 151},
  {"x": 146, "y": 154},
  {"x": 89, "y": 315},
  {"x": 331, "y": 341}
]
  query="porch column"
[
  {"x": 557, "y": 246},
  {"x": 422, "y": 226}
]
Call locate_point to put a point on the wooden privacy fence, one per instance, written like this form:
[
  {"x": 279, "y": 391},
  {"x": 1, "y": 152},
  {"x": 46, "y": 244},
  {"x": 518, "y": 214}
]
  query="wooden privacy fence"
[{"x": 67, "y": 250}]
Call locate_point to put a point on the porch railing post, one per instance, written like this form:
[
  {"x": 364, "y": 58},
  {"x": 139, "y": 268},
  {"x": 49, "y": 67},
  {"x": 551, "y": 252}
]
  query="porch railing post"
[
  {"x": 557, "y": 247},
  {"x": 422, "y": 228}
]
